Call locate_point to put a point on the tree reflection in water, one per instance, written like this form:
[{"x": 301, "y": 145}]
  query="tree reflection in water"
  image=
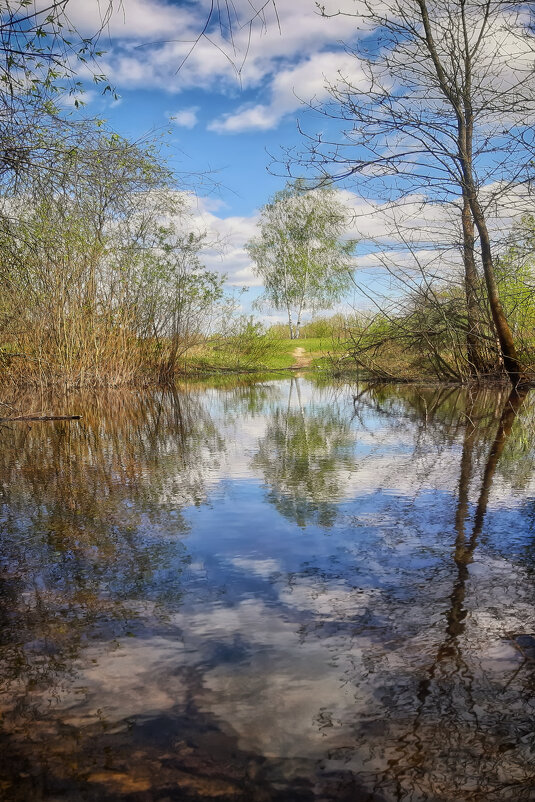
[
  {"x": 159, "y": 644},
  {"x": 472, "y": 750},
  {"x": 92, "y": 536},
  {"x": 301, "y": 457}
]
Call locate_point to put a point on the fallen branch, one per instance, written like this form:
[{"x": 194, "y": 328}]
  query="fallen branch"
[{"x": 40, "y": 417}]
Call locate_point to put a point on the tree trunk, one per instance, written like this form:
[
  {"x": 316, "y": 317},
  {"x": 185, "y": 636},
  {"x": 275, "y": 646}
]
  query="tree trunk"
[
  {"x": 510, "y": 357},
  {"x": 290, "y": 325},
  {"x": 476, "y": 358},
  {"x": 460, "y": 99}
]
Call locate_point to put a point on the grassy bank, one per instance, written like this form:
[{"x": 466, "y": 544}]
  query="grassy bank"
[
  {"x": 266, "y": 354},
  {"x": 123, "y": 362}
]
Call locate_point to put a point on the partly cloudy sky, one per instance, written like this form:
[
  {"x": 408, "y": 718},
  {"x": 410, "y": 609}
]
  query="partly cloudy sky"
[
  {"x": 230, "y": 96},
  {"x": 227, "y": 99}
]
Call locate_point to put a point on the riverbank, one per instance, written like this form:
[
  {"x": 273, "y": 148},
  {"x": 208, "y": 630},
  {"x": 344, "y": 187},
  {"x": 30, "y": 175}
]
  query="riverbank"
[
  {"x": 139, "y": 364},
  {"x": 145, "y": 364}
]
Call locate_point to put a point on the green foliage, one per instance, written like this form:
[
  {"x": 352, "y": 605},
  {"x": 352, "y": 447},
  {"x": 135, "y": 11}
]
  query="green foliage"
[
  {"x": 247, "y": 344},
  {"x": 515, "y": 275},
  {"x": 300, "y": 255},
  {"x": 96, "y": 288},
  {"x": 40, "y": 50},
  {"x": 40, "y": 53},
  {"x": 423, "y": 338},
  {"x": 335, "y": 326}
]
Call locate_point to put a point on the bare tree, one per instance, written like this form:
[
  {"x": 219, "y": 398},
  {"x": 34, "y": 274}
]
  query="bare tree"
[{"x": 441, "y": 102}]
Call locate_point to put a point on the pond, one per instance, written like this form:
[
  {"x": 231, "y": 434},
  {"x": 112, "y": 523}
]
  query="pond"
[{"x": 270, "y": 591}]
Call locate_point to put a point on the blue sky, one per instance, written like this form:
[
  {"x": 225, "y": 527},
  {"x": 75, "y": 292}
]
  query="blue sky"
[
  {"x": 224, "y": 109},
  {"x": 227, "y": 103}
]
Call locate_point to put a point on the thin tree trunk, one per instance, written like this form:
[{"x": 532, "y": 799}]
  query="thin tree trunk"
[
  {"x": 304, "y": 292},
  {"x": 460, "y": 100},
  {"x": 471, "y": 280},
  {"x": 507, "y": 345}
]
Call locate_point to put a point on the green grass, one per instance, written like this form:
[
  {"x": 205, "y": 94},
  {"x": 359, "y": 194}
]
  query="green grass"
[
  {"x": 261, "y": 353},
  {"x": 317, "y": 349}
]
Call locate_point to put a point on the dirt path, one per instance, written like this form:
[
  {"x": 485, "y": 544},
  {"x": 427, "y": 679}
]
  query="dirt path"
[{"x": 301, "y": 361}]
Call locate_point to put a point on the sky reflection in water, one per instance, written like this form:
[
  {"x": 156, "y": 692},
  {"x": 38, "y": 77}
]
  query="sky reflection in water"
[{"x": 270, "y": 591}]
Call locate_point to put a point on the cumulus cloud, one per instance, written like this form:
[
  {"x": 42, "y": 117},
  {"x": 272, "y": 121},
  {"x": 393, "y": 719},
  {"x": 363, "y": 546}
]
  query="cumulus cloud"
[
  {"x": 290, "y": 88},
  {"x": 132, "y": 19},
  {"x": 288, "y": 53},
  {"x": 394, "y": 243},
  {"x": 227, "y": 237},
  {"x": 185, "y": 118},
  {"x": 157, "y": 44},
  {"x": 78, "y": 99},
  {"x": 386, "y": 235}
]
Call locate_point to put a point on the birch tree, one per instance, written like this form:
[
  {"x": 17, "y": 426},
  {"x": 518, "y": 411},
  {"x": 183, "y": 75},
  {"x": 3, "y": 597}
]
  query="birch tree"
[{"x": 300, "y": 253}]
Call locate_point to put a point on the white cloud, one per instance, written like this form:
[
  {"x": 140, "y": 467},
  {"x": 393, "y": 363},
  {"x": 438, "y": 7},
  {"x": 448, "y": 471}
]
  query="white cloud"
[
  {"x": 305, "y": 82},
  {"x": 372, "y": 224},
  {"x": 136, "y": 19},
  {"x": 286, "y": 54},
  {"x": 78, "y": 99},
  {"x": 156, "y": 44},
  {"x": 394, "y": 241},
  {"x": 227, "y": 237},
  {"x": 185, "y": 118},
  {"x": 257, "y": 117}
]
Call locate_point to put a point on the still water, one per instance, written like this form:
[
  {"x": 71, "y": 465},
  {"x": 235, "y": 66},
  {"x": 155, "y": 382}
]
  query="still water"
[{"x": 278, "y": 591}]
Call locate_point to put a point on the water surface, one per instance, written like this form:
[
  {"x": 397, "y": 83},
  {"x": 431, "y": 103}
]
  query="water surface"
[{"x": 275, "y": 591}]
